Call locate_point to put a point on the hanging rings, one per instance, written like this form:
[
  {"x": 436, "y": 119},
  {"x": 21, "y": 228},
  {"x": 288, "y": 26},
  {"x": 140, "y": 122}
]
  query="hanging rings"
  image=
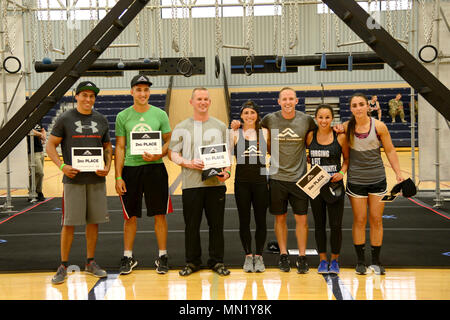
[
  {"x": 185, "y": 67},
  {"x": 217, "y": 63},
  {"x": 249, "y": 61},
  {"x": 9, "y": 65},
  {"x": 433, "y": 48}
]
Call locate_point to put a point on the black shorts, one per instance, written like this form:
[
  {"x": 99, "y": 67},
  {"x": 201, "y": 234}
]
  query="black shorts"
[
  {"x": 151, "y": 181},
  {"x": 363, "y": 191},
  {"x": 282, "y": 192}
]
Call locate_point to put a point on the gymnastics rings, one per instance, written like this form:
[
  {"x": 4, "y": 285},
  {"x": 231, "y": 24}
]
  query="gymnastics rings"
[
  {"x": 185, "y": 67},
  {"x": 5, "y": 64},
  {"x": 434, "y": 56},
  {"x": 250, "y": 60},
  {"x": 217, "y": 62}
]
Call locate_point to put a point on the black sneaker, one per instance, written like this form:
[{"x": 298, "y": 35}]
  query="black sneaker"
[
  {"x": 162, "y": 264},
  {"x": 284, "y": 263},
  {"x": 302, "y": 265},
  {"x": 40, "y": 197},
  {"x": 127, "y": 264},
  {"x": 361, "y": 268}
]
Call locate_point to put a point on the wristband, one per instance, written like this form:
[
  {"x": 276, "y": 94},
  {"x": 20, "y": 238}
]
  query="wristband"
[
  {"x": 342, "y": 173},
  {"x": 119, "y": 178},
  {"x": 62, "y": 166}
]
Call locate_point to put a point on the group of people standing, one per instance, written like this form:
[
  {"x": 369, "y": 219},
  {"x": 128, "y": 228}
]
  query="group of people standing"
[{"x": 352, "y": 148}]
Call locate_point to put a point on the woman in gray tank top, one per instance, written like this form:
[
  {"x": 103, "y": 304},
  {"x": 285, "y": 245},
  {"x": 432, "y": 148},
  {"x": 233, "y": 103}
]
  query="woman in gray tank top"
[{"x": 366, "y": 180}]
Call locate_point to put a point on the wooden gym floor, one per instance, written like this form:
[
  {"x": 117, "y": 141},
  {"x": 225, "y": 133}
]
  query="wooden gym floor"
[{"x": 397, "y": 284}]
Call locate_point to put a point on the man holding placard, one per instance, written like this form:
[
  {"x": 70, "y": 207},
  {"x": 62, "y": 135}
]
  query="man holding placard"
[
  {"x": 83, "y": 134},
  {"x": 198, "y": 145},
  {"x": 140, "y": 170}
]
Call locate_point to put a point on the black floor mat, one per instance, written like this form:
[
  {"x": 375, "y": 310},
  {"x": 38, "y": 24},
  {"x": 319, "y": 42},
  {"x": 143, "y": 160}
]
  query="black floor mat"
[{"x": 29, "y": 241}]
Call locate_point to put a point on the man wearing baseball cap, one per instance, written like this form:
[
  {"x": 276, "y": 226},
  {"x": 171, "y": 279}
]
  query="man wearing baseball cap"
[
  {"x": 140, "y": 170},
  {"x": 86, "y": 148}
]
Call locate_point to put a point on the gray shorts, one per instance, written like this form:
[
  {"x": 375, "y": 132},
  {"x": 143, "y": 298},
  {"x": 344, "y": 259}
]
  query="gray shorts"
[{"x": 84, "y": 204}]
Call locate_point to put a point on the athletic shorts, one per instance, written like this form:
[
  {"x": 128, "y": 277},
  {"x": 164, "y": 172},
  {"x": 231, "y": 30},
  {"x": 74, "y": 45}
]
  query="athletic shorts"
[
  {"x": 84, "y": 204},
  {"x": 363, "y": 191},
  {"x": 148, "y": 181},
  {"x": 282, "y": 192}
]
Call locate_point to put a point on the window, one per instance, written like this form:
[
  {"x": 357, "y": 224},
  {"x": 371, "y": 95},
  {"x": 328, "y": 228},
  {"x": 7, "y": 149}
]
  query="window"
[
  {"x": 206, "y": 8},
  {"x": 78, "y": 9},
  {"x": 383, "y": 5}
]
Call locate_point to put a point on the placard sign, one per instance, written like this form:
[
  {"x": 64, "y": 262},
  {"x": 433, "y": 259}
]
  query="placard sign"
[
  {"x": 87, "y": 159},
  {"x": 214, "y": 156},
  {"x": 147, "y": 141},
  {"x": 313, "y": 180}
]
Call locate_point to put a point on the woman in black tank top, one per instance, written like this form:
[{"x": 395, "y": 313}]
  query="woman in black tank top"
[
  {"x": 325, "y": 149},
  {"x": 374, "y": 108},
  {"x": 250, "y": 183}
]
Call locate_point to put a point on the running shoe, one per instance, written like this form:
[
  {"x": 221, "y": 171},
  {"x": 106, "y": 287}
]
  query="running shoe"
[
  {"x": 284, "y": 263},
  {"x": 302, "y": 265},
  {"x": 162, "y": 264},
  {"x": 127, "y": 264},
  {"x": 60, "y": 276},
  {"x": 334, "y": 267},
  {"x": 259, "y": 264},
  {"x": 248, "y": 264},
  {"x": 323, "y": 267}
]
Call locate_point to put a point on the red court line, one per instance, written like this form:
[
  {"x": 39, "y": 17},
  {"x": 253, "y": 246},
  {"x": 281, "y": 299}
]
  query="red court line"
[
  {"x": 28, "y": 209},
  {"x": 426, "y": 207}
]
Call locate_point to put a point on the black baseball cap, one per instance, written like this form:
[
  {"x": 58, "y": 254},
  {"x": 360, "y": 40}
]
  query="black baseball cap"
[
  {"x": 332, "y": 191},
  {"x": 140, "y": 79},
  {"x": 87, "y": 85},
  {"x": 249, "y": 104}
]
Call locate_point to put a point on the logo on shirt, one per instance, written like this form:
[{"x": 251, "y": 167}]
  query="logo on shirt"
[
  {"x": 288, "y": 132},
  {"x": 80, "y": 127},
  {"x": 252, "y": 151},
  {"x": 141, "y": 127},
  {"x": 288, "y": 135}
]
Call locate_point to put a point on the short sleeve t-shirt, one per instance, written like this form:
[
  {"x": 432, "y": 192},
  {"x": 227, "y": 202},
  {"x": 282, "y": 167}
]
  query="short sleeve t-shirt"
[
  {"x": 129, "y": 120},
  {"x": 186, "y": 139},
  {"x": 80, "y": 130},
  {"x": 288, "y": 152}
]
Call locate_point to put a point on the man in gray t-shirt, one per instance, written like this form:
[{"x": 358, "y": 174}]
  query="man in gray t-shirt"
[
  {"x": 201, "y": 193},
  {"x": 288, "y": 129},
  {"x": 84, "y": 136}
]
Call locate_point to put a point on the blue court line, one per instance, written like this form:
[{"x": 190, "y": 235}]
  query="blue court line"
[
  {"x": 339, "y": 290},
  {"x": 99, "y": 290}
]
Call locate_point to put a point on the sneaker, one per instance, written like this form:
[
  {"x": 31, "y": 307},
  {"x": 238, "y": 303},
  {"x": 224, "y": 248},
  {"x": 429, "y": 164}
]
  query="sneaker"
[
  {"x": 127, "y": 264},
  {"x": 323, "y": 267},
  {"x": 378, "y": 269},
  {"x": 334, "y": 267},
  {"x": 302, "y": 265},
  {"x": 60, "y": 276},
  {"x": 361, "y": 268},
  {"x": 40, "y": 197},
  {"x": 248, "y": 264},
  {"x": 259, "y": 264},
  {"x": 220, "y": 269},
  {"x": 189, "y": 269},
  {"x": 94, "y": 269},
  {"x": 162, "y": 264},
  {"x": 284, "y": 263}
]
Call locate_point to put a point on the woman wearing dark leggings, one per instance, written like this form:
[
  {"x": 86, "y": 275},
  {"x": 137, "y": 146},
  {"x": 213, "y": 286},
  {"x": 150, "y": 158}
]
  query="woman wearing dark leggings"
[
  {"x": 325, "y": 150},
  {"x": 250, "y": 186}
]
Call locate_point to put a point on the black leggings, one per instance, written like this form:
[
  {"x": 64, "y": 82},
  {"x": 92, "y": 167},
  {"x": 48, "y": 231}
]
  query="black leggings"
[
  {"x": 246, "y": 195},
  {"x": 335, "y": 213}
]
